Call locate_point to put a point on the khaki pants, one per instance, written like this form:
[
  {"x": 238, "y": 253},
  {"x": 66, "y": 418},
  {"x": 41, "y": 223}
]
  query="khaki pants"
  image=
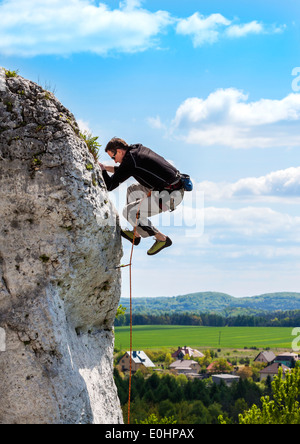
[{"x": 139, "y": 201}]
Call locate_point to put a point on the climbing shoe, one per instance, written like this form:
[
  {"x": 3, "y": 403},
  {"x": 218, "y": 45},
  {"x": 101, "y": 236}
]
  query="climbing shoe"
[
  {"x": 129, "y": 235},
  {"x": 158, "y": 246}
]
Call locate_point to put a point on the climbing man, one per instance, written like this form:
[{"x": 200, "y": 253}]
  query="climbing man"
[{"x": 160, "y": 188}]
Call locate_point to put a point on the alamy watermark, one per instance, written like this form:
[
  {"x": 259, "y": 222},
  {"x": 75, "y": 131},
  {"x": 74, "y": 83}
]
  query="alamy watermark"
[
  {"x": 296, "y": 341},
  {"x": 296, "y": 81},
  {"x": 2, "y": 340},
  {"x": 162, "y": 209}
]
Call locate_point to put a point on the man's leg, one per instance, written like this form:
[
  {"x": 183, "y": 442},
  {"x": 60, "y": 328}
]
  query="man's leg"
[
  {"x": 161, "y": 202},
  {"x": 140, "y": 203}
]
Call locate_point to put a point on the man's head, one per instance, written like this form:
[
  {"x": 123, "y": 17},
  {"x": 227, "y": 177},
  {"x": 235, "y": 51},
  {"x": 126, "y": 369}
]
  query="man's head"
[{"x": 116, "y": 149}]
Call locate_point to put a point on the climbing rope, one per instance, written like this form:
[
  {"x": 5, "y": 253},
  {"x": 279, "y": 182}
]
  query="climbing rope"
[
  {"x": 131, "y": 323},
  {"x": 130, "y": 286}
]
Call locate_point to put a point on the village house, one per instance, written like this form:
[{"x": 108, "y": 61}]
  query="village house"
[
  {"x": 139, "y": 359},
  {"x": 187, "y": 351},
  {"x": 266, "y": 357},
  {"x": 185, "y": 366},
  {"x": 287, "y": 359},
  {"x": 272, "y": 370},
  {"x": 227, "y": 379}
]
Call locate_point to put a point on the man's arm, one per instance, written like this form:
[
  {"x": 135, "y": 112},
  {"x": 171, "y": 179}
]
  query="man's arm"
[
  {"x": 110, "y": 169},
  {"x": 119, "y": 176}
]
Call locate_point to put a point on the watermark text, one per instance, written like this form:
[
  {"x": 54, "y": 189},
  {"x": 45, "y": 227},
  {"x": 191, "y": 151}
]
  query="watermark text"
[
  {"x": 296, "y": 81},
  {"x": 296, "y": 341}
]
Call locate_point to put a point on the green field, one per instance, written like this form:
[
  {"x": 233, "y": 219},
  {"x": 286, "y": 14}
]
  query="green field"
[{"x": 156, "y": 336}]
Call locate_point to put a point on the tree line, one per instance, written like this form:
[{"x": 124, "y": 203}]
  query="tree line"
[
  {"x": 187, "y": 401},
  {"x": 175, "y": 400},
  {"x": 289, "y": 318}
]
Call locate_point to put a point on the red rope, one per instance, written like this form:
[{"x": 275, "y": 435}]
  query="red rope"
[
  {"x": 130, "y": 284},
  {"x": 130, "y": 365}
]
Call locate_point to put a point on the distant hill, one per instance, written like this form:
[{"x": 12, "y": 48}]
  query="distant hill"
[{"x": 220, "y": 303}]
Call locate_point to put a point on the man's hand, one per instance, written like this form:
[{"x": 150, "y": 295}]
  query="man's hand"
[{"x": 109, "y": 169}]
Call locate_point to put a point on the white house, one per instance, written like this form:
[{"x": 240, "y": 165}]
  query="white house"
[
  {"x": 227, "y": 379},
  {"x": 185, "y": 366},
  {"x": 272, "y": 370},
  {"x": 138, "y": 359}
]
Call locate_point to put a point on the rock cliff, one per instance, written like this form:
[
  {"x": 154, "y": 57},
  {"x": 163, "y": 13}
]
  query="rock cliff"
[{"x": 59, "y": 235}]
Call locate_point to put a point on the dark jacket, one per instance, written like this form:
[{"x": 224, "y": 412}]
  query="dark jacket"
[{"x": 147, "y": 167}]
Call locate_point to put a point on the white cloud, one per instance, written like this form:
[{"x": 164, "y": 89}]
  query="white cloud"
[
  {"x": 283, "y": 183},
  {"x": 208, "y": 30},
  {"x": 42, "y": 27},
  {"x": 238, "y": 229},
  {"x": 202, "y": 29},
  {"x": 251, "y": 234},
  {"x": 34, "y": 27},
  {"x": 252, "y": 221},
  {"x": 237, "y": 31},
  {"x": 130, "y": 4},
  {"x": 84, "y": 126},
  {"x": 248, "y": 233},
  {"x": 155, "y": 123},
  {"x": 259, "y": 232},
  {"x": 278, "y": 186},
  {"x": 227, "y": 118}
]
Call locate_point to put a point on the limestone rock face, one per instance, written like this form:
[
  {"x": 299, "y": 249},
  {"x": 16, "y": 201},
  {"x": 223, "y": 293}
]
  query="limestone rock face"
[{"x": 59, "y": 241}]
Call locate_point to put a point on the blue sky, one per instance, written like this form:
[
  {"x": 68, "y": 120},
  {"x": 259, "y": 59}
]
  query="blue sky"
[{"x": 207, "y": 84}]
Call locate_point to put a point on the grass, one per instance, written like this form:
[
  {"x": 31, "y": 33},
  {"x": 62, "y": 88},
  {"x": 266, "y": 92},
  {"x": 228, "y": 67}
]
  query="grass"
[
  {"x": 10, "y": 74},
  {"x": 155, "y": 337},
  {"x": 92, "y": 144}
]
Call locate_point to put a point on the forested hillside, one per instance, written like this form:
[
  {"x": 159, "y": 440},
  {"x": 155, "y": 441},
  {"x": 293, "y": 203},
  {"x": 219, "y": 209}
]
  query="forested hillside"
[{"x": 218, "y": 303}]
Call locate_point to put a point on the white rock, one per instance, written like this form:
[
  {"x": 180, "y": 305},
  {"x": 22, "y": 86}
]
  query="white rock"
[
  {"x": 2, "y": 79},
  {"x": 59, "y": 234}
]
